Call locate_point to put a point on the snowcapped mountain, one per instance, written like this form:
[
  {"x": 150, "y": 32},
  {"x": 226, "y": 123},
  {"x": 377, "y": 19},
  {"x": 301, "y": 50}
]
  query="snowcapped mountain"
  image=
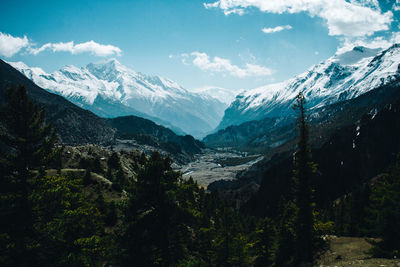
[
  {"x": 110, "y": 89},
  {"x": 341, "y": 77},
  {"x": 225, "y": 96}
]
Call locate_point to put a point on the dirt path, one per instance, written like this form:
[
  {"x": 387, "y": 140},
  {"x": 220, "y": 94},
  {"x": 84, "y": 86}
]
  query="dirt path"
[{"x": 350, "y": 251}]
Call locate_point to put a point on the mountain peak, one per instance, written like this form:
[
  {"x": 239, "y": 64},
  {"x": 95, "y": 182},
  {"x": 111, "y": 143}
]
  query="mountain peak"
[
  {"x": 108, "y": 69},
  {"x": 18, "y": 65},
  {"x": 355, "y": 55},
  {"x": 361, "y": 49},
  {"x": 111, "y": 62},
  {"x": 71, "y": 69}
]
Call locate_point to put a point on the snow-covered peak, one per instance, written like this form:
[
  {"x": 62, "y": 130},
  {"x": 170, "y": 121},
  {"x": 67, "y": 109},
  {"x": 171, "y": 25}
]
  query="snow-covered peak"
[
  {"x": 105, "y": 84},
  {"x": 27, "y": 71},
  {"x": 71, "y": 69},
  {"x": 110, "y": 69},
  {"x": 356, "y": 55},
  {"x": 224, "y": 95},
  {"x": 344, "y": 76},
  {"x": 18, "y": 64}
]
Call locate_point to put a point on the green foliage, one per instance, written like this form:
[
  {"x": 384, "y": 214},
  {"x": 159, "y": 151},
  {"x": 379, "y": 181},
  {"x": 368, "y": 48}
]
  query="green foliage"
[
  {"x": 351, "y": 213},
  {"x": 385, "y": 211},
  {"x": 266, "y": 242},
  {"x": 170, "y": 221},
  {"x": 154, "y": 218},
  {"x": 29, "y": 143},
  {"x": 26, "y": 132},
  {"x": 163, "y": 219},
  {"x": 67, "y": 223},
  {"x": 286, "y": 234},
  {"x": 91, "y": 163},
  {"x": 373, "y": 210}
]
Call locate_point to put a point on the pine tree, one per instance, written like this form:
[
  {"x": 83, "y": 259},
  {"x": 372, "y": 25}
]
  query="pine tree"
[
  {"x": 153, "y": 231},
  {"x": 303, "y": 173},
  {"x": 30, "y": 143}
]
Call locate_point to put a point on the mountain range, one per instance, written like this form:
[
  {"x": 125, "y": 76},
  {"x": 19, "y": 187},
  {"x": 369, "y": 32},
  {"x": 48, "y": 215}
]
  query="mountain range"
[
  {"x": 110, "y": 89},
  {"x": 77, "y": 126},
  {"x": 353, "y": 102},
  {"x": 341, "y": 77},
  {"x": 262, "y": 119}
]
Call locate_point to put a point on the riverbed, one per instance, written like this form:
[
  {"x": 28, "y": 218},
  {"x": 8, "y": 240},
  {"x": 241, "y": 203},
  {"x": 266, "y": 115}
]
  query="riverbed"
[{"x": 213, "y": 165}]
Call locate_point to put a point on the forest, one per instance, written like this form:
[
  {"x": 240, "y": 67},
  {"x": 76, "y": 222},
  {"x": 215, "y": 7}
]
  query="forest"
[{"x": 52, "y": 217}]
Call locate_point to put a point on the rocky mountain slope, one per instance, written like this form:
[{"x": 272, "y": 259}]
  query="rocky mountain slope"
[
  {"x": 339, "y": 78},
  {"x": 276, "y": 134},
  {"x": 110, "y": 89}
]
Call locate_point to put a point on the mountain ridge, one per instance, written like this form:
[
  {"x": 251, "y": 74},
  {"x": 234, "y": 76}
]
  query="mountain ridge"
[
  {"x": 340, "y": 77},
  {"x": 131, "y": 93}
]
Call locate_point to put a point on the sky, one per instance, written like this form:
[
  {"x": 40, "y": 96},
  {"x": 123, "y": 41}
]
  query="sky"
[{"x": 233, "y": 44}]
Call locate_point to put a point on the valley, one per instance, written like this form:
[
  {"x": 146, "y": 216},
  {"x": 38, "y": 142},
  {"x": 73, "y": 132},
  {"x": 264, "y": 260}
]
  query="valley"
[
  {"x": 240, "y": 179},
  {"x": 214, "y": 165},
  {"x": 201, "y": 133}
]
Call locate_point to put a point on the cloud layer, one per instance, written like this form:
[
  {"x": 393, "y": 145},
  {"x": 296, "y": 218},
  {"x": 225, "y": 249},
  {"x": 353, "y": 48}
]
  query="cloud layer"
[
  {"x": 276, "y": 29},
  {"x": 10, "y": 45},
  {"x": 222, "y": 65},
  {"x": 87, "y": 47},
  {"x": 350, "y": 19}
]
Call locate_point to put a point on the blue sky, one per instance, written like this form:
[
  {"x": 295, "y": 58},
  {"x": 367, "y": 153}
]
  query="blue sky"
[{"x": 235, "y": 44}]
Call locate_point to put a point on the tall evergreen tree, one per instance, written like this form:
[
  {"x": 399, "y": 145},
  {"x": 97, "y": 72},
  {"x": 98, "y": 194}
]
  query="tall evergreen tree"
[
  {"x": 303, "y": 173},
  {"x": 29, "y": 143}
]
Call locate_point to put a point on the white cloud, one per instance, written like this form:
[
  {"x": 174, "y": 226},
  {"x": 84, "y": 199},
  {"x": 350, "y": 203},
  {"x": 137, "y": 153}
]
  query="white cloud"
[
  {"x": 10, "y": 45},
  {"x": 276, "y": 29},
  {"x": 222, "y": 65},
  {"x": 377, "y": 42},
  {"x": 396, "y": 6},
  {"x": 87, "y": 47},
  {"x": 343, "y": 18}
]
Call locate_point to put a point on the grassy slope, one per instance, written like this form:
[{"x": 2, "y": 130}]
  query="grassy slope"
[{"x": 351, "y": 251}]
